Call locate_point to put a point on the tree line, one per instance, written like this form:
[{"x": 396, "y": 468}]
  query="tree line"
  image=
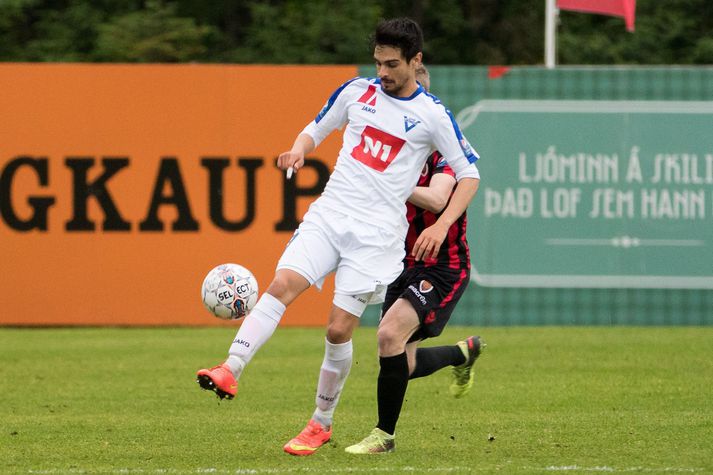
[{"x": 470, "y": 32}]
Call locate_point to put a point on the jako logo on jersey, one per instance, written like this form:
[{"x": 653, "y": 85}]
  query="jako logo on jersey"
[
  {"x": 377, "y": 149},
  {"x": 424, "y": 170},
  {"x": 369, "y": 99},
  {"x": 410, "y": 123}
]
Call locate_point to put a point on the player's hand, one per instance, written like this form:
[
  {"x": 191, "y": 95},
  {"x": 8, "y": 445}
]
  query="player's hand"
[
  {"x": 429, "y": 242},
  {"x": 290, "y": 160}
]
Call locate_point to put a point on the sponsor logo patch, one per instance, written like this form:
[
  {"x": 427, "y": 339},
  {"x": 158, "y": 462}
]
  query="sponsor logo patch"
[
  {"x": 369, "y": 97},
  {"x": 425, "y": 286},
  {"x": 410, "y": 123},
  {"x": 468, "y": 150},
  {"x": 418, "y": 295},
  {"x": 377, "y": 148}
]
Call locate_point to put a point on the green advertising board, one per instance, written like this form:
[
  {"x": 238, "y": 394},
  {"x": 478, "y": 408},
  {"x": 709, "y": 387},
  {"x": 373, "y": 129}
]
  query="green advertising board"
[
  {"x": 592, "y": 194},
  {"x": 631, "y": 269}
]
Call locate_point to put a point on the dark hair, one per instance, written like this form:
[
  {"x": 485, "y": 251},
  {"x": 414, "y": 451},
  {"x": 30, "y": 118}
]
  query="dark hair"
[{"x": 402, "y": 33}]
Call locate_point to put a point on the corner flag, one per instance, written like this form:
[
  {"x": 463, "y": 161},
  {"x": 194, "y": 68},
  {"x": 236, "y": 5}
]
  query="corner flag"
[{"x": 620, "y": 8}]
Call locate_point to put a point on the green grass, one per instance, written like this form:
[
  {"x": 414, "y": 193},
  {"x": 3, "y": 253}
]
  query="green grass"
[{"x": 574, "y": 400}]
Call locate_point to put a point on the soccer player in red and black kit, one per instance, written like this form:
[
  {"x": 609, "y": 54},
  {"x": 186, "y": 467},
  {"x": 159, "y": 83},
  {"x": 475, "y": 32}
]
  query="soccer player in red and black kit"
[{"x": 419, "y": 303}]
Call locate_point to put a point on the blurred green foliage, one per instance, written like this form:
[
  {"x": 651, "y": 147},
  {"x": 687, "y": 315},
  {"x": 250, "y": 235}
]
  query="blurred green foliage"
[{"x": 337, "y": 32}]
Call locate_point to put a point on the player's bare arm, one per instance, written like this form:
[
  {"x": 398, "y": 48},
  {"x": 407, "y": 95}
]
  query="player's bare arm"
[
  {"x": 295, "y": 157},
  {"x": 434, "y": 197},
  {"x": 429, "y": 242}
]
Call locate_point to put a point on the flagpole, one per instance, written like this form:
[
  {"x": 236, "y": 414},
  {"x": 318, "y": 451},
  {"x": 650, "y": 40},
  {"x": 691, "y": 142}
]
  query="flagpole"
[{"x": 550, "y": 30}]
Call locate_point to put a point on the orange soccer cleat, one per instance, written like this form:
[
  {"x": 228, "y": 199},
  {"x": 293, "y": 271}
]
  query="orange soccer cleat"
[
  {"x": 218, "y": 379},
  {"x": 309, "y": 440}
]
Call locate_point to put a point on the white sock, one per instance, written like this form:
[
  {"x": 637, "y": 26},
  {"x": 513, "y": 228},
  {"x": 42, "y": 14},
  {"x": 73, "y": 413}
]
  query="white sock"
[
  {"x": 257, "y": 328},
  {"x": 332, "y": 376}
]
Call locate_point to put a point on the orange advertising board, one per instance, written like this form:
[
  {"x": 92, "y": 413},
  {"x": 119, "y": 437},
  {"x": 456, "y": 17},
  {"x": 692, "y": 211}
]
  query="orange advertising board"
[{"x": 121, "y": 186}]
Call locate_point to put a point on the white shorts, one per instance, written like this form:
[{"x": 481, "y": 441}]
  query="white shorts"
[{"x": 366, "y": 258}]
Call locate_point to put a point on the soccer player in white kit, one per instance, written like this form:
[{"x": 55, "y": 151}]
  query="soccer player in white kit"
[{"x": 357, "y": 227}]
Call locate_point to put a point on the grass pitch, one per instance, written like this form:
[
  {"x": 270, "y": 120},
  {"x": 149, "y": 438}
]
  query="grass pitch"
[{"x": 546, "y": 399}]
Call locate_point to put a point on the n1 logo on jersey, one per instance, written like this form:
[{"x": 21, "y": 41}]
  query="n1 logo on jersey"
[{"x": 377, "y": 149}]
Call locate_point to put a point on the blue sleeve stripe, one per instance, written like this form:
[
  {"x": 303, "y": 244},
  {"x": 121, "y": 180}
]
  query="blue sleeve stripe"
[
  {"x": 332, "y": 100},
  {"x": 468, "y": 151}
]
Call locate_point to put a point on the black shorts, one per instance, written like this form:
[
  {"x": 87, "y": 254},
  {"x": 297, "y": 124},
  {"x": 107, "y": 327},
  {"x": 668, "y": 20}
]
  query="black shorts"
[{"x": 434, "y": 306}]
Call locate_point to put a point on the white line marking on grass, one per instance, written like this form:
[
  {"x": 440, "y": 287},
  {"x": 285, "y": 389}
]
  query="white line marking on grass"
[
  {"x": 566, "y": 468},
  {"x": 211, "y": 470}
]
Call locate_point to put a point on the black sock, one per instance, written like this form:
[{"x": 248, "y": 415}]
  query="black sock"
[
  {"x": 390, "y": 390},
  {"x": 430, "y": 360}
]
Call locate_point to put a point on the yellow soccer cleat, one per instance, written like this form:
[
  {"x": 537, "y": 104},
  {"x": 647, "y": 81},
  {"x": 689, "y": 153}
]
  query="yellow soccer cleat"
[
  {"x": 378, "y": 442},
  {"x": 464, "y": 375}
]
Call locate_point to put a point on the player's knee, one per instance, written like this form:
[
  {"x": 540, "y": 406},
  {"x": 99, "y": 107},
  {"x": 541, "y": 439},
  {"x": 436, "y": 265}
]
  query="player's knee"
[
  {"x": 339, "y": 332},
  {"x": 283, "y": 290},
  {"x": 341, "y": 326},
  {"x": 287, "y": 285},
  {"x": 279, "y": 287},
  {"x": 388, "y": 339}
]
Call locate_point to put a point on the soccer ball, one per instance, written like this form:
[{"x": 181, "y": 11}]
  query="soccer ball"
[{"x": 229, "y": 291}]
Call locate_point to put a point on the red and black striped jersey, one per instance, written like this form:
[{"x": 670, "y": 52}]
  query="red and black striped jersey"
[{"x": 454, "y": 252}]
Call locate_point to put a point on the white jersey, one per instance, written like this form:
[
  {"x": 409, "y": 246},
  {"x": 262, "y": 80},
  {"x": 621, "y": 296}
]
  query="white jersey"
[{"x": 386, "y": 143}]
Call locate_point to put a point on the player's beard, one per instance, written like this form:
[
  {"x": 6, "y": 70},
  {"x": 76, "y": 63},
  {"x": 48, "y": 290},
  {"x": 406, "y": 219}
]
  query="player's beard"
[{"x": 392, "y": 87}]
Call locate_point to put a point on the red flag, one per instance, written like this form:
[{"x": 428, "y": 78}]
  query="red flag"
[
  {"x": 620, "y": 8},
  {"x": 495, "y": 72}
]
